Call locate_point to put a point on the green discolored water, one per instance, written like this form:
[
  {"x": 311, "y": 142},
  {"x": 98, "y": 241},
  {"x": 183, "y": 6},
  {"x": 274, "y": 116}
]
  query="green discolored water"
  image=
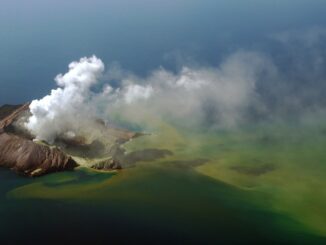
[{"x": 260, "y": 185}]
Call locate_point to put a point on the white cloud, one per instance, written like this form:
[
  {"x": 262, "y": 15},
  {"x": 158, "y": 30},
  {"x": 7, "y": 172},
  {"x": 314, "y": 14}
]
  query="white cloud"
[
  {"x": 66, "y": 108},
  {"x": 134, "y": 92},
  {"x": 220, "y": 96},
  {"x": 223, "y": 94}
]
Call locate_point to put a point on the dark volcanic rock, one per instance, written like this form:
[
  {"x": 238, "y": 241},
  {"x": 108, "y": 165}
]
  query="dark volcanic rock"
[
  {"x": 109, "y": 164},
  {"x": 146, "y": 155},
  {"x": 27, "y": 157}
]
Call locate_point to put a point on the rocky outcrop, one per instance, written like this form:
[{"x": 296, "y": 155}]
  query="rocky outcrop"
[
  {"x": 20, "y": 153},
  {"x": 25, "y": 156},
  {"x": 107, "y": 164},
  {"x": 6, "y": 110},
  {"x": 14, "y": 115},
  {"x": 28, "y": 158}
]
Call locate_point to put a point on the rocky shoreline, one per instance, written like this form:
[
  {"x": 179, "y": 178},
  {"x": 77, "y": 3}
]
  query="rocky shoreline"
[
  {"x": 28, "y": 157},
  {"x": 24, "y": 156}
]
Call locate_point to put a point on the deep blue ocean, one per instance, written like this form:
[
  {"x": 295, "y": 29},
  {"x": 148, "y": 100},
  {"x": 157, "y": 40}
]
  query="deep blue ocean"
[{"x": 38, "y": 39}]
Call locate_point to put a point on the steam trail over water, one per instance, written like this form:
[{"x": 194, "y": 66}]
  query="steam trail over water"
[
  {"x": 245, "y": 87},
  {"x": 225, "y": 92}
]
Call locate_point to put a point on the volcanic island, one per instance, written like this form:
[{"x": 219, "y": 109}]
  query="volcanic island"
[{"x": 20, "y": 152}]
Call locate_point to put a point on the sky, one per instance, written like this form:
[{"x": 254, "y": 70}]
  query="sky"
[{"x": 38, "y": 39}]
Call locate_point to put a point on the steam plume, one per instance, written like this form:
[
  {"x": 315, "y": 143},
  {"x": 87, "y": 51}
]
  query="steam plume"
[
  {"x": 66, "y": 109},
  {"x": 245, "y": 87}
]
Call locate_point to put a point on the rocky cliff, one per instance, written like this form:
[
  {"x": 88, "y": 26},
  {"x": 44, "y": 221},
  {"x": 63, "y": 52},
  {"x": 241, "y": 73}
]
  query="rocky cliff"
[{"x": 22, "y": 154}]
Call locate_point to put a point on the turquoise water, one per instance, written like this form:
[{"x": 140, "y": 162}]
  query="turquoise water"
[{"x": 171, "y": 200}]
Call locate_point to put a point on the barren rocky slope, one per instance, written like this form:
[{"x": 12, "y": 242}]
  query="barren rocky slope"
[
  {"x": 22, "y": 154},
  {"x": 101, "y": 150}
]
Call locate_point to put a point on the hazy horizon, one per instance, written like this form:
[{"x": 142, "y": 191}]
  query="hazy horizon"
[
  {"x": 199, "y": 121},
  {"x": 38, "y": 39}
]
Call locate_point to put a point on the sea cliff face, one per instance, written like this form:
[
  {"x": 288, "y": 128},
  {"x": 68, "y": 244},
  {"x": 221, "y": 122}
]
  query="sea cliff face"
[
  {"x": 20, "y": 153},
  {"x": 24, "y": 156}
]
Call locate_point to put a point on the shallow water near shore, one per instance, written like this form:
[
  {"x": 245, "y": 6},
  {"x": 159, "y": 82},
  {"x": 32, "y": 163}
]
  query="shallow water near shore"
[{"x": 263, "y": 184}]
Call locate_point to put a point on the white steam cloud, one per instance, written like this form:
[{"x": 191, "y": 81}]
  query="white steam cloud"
[
  {"x": 192, "y": 96},
  {"x": 245, "y": 87},
  {"x": 66, "y": 109}
]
